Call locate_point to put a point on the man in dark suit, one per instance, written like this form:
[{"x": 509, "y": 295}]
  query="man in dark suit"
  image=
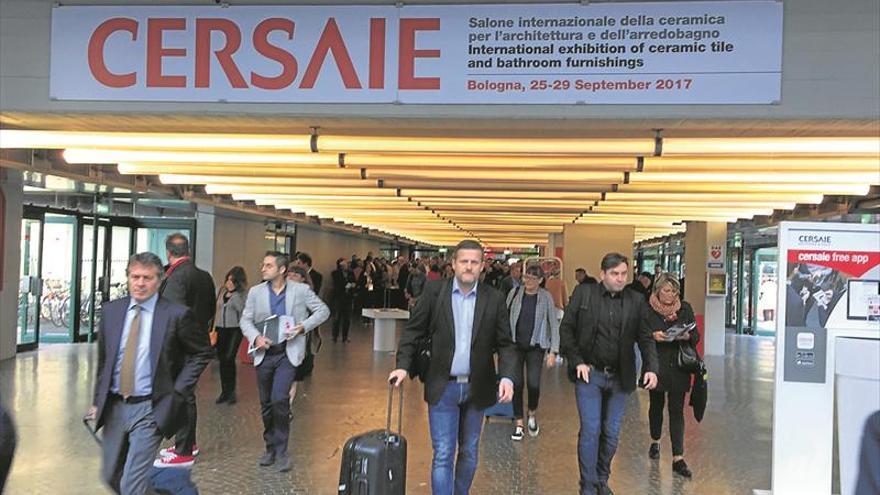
[
  {"x": 150, "y": 355},
  {"x": 304, "y": 261},
  {"x": 601, "y": 324},
  {"x": 513, "y": 280},
  {"x": 187, "y": 285},
  {"x": 468, "y": 322}
]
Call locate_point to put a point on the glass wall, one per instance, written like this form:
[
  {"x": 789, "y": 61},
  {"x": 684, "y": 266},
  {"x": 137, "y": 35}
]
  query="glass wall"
[
  {"x": 59, "y": 284},
  {"x": 29, "y": 282}
]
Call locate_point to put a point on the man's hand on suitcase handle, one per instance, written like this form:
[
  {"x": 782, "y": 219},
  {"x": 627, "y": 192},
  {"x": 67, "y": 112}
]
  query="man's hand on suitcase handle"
[{"x": 396, "y": 377}]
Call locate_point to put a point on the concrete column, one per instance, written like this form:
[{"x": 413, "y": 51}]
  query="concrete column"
[
  {"x": 585, "y": 245},
  {"x": 700, "y": 239},
  {"x": 11, "y": 186},
  {"x": 204, "y": 238}
]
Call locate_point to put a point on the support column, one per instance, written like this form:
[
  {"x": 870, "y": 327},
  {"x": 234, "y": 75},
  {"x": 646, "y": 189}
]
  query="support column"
[
  {"x": 204, "y": 239},
  {"x": 585, "y": 245},
  {"x": 11, "y": 188},
  {"x": 704, "y": 254}
]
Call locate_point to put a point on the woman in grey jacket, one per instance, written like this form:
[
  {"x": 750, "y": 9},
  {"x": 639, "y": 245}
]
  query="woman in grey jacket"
[
  {"x": 230, "y": 304},
  {"x": 535, "y": 331}
]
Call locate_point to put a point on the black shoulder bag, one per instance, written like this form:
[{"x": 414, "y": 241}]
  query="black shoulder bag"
[
  {"x": 422, "y": 362},
  {"x": 688, "y": 359}
]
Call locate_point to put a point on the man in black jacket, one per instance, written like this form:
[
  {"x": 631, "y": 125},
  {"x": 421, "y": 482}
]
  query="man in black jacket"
[
  {"x": 304, "y": 261},
  {"x": 467, "y": 321},
  {"x": 150, "y": 355},
  {"x": 402, "y": 279},
  {"x": 187, "y": 285},
  {"x": 597, "y": 333}
]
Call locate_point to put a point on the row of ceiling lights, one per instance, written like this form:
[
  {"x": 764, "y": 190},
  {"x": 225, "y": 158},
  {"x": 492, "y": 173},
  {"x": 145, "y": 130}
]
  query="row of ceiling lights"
[{"x": 503, "y": 191}]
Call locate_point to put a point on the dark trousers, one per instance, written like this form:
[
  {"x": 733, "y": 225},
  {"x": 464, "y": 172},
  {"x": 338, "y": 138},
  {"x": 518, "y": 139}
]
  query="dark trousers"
[
  {"x": 185, "y": 438},
  {"x": 676, "y": 418},
  {"x": 342, "y": 319},
  {"x": 275, "y": 375},
  {"x": 228, "y": 341},
  {"x": 533, "y": 360}
]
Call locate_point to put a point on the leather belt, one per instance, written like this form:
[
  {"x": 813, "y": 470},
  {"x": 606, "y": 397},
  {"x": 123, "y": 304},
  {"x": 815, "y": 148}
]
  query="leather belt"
[
  {"x": 608, "y": 370},
  {"x": 132, "y": 399},
  {"x": 460, "y": 379}
]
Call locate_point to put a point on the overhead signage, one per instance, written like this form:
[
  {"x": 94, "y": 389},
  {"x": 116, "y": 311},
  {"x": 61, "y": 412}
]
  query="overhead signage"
[{"x": 598, "y": 53}]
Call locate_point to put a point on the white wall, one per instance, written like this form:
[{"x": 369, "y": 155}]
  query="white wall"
[
  {"x": 829, "y": 71},
  {"x": 10, "y": 182}
]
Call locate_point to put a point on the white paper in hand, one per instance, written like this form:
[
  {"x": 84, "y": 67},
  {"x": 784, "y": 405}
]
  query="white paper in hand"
[{"x": 286, "y": 325}]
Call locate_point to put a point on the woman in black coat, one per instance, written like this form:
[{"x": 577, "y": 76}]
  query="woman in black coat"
[{"x": 666, "y": 309}]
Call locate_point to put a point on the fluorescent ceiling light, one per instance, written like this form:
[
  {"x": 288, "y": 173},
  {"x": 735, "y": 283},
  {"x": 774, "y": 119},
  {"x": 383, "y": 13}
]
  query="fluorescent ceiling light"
[
  {"x": 249, "y": 170},
  {"x": 666, "y": 205},
  {"x": 96, "y": 156},
  {"x": 829, "y": 177},
  {"x": 849, "y": 146},
  {"x": 491, "y": 146},
  {"x": 415, "y": 173},
  {"x": 771, "y": 189},
  {"x": 701, "y": 197},
  {"x": 548, "y": 188},
  {"x": 491, "y": 162},
  {"x": 761, "y": 164},
  {"x": 287, "y": 190},
  {"x": 274, "y": 181},
  {"x": 11, "y": 138}
]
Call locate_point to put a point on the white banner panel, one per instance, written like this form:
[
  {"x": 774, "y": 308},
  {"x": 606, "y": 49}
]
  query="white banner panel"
[{"x": 601, "y": 53}]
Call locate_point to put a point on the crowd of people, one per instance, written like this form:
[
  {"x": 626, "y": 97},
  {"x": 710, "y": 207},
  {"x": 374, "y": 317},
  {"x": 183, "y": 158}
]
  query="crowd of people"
[{"x": 494, "y": 326}]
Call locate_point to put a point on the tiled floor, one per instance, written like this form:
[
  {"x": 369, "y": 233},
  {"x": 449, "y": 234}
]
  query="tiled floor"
[{"x": 49, "y": 390}]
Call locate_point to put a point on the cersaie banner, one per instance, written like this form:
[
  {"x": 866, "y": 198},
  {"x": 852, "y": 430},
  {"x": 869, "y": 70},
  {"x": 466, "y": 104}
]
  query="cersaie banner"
[{"x": 599, "y": 53}]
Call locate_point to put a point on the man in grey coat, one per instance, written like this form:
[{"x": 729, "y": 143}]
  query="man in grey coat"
[{"x": 276, "y": 362}]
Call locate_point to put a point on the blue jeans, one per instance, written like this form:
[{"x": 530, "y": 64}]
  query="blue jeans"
[
  {"x": 454, "y": 420},
  {"x": 601, "y": 404}
]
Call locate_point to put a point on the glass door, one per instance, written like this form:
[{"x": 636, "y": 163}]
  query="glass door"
[
  {"x": 152, "y": 238},
  {"x": 764, "y": 291},
  {"x": 120, "y": 250},
  {"x": 59, "y": 258},
  {"x": 93, "y": 267},
  {"x": 29, "y": 284}
]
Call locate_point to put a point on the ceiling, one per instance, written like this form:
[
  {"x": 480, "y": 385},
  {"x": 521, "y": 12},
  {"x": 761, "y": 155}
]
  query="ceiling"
[{"x": 501, "y": 183}]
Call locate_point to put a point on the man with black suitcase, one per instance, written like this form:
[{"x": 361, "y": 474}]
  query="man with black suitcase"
[{"x": 467, "y": 323}]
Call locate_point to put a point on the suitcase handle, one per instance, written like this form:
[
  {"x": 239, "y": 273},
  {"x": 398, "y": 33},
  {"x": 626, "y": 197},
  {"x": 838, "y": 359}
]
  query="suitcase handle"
[{"x": 399, "y": 410}]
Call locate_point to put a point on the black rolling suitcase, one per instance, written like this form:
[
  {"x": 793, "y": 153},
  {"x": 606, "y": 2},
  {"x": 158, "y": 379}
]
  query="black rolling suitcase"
[{"x": 374, "y": 463}]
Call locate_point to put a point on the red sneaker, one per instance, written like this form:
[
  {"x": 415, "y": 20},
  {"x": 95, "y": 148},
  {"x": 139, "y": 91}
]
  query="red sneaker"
[
  {"x": 169, "y": 451},
  {"x": 174, "y": 460}
]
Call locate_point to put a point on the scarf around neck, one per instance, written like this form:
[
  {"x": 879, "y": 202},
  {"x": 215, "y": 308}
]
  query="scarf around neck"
[{"x": 669, "y": 312}]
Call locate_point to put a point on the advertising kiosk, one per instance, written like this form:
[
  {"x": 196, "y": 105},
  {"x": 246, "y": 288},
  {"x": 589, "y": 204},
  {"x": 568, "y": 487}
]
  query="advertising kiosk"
[{"x": 827, "y": 352}]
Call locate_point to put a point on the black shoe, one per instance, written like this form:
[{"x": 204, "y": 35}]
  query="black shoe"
[
  {"x": 223, "y": 398},
  {"x": 681, "y": 468},
  {"x": 654, "y": 451},
  {"x": 231, "y": 399},
  {"x": 284, "y": 464},
  {"x": 267, "y": 459}
]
